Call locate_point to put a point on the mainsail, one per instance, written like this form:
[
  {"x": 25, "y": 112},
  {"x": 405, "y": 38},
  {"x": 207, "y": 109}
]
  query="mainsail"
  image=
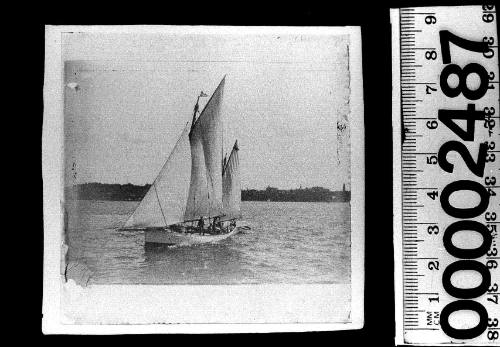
[
  {"x": 231, "y": 190},
  {"x": 193, "y": 182},
  {"x": 205, "y": 191},
  {"x": 165, "y": 201},
  {"x": 197, "y": 202}
]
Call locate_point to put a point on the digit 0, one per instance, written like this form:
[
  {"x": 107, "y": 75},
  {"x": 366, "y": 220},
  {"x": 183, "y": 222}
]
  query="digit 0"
[
  {"x": 467, "y": 253},
  {"x": 468, "y": 212},
  {"x": 466, "y": 293},
  {"x": 460, "y": 305}
]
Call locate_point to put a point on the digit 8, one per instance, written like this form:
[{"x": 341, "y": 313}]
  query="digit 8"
[
  {"x": 462, "y": 74},
  {"x": 430, "y": 55}
]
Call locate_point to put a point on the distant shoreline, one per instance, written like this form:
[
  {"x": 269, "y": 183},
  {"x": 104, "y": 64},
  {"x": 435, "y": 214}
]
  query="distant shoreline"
[{"x": 130, "y": 192}]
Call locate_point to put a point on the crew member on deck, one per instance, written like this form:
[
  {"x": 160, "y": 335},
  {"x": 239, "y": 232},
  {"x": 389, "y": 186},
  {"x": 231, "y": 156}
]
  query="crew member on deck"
[
  {"x": 220, "y": 225},
  {"x": 214, "y": 225},
  {"x": 201, "y": 224}
]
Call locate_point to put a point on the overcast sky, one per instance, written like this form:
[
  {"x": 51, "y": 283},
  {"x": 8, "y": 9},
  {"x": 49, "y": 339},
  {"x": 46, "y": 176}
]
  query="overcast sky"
[{"x": 128, "y": 97}]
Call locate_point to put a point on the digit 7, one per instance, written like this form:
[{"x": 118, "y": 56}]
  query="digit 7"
[{"x": 446, "y": 37}]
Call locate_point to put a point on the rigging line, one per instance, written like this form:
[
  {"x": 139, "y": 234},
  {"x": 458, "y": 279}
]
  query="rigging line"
[{"x": 159, "y": 203}]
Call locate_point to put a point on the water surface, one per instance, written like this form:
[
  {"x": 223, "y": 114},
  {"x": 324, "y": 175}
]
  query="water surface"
[{"x": 290, "y": 242}]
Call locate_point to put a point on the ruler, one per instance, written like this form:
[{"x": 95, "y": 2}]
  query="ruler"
[{"x": 446, "y": 175}]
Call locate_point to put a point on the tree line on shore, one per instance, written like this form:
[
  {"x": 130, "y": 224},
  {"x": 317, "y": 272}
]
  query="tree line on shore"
[
  {"x": 130, "y": 192},
  {"x": 314, "y": 194}
]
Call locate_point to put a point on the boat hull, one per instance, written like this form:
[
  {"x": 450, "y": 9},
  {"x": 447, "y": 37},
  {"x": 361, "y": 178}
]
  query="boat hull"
[{"x": 168, "y": 237}]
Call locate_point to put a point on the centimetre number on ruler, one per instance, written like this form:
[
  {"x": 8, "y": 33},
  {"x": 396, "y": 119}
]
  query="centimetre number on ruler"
[{"x": 449, "y": 175}]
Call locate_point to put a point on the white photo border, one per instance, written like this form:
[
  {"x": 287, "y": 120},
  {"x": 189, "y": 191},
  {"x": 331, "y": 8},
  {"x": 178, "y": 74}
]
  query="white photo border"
[{"x": 140, "y": 309}]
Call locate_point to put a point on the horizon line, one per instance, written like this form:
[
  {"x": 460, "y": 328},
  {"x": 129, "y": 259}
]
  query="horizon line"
[{"x": 246, "y": 188}]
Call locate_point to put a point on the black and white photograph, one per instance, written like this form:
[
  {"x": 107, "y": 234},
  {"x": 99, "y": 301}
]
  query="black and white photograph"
[{"x": 199, "y": 175}]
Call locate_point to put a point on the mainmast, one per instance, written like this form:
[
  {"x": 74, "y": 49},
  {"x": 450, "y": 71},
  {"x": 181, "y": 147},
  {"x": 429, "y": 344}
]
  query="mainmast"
[{"x": 196, "y": 108}]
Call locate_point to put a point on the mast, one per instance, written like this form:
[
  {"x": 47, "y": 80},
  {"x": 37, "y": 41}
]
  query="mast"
[
  {"x": 196, "y": 107},
  {"x": 195, "y": 111}
]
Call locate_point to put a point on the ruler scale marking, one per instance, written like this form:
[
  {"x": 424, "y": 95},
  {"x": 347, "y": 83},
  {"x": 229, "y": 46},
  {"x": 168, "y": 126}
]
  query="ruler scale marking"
[{"x": 420, "y": 133}]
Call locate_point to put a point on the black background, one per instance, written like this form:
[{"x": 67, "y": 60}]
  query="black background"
[{"x": 376, "y": 48}]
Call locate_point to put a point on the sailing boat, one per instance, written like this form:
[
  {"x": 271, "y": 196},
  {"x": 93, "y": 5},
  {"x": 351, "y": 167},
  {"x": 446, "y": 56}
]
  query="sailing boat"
[{"x": 196, "y": 196}]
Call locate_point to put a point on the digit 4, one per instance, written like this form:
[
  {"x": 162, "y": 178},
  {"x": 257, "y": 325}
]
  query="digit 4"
[{"x": 470, "y": 115}]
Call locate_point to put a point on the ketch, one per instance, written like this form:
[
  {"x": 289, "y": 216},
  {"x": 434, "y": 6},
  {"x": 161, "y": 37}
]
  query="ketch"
[{"x": 196, "y": 197}]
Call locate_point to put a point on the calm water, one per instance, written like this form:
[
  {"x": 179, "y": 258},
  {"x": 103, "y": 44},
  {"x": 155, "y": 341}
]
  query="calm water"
[{"x": 289, "y": 242}]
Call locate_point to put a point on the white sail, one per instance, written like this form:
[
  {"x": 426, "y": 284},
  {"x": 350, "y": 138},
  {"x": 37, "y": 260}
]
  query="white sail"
[
  {"x": 231, "y": 188},
  {"x": 205, "y": 195},
  {"x": 198, "y": 198},
  {"x": 165, "y": 201}
]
